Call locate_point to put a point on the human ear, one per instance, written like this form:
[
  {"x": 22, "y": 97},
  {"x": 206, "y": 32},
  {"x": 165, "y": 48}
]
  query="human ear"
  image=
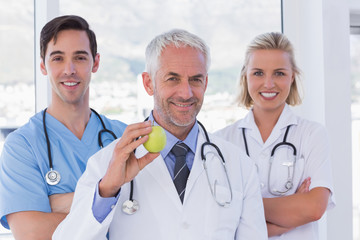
[
  {"x": 206, "y": 81},
  {"x": 96, "y": 63},
  {"x": 43, "y": 67},
  {"x": 148, "y": 84}
]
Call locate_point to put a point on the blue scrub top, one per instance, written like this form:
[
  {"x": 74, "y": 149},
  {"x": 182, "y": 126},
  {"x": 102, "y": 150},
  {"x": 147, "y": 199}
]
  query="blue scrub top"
[{"x": 24, "y": 161}]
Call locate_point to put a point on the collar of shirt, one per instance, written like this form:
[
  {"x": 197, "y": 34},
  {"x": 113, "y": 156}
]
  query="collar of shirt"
[
  {"x": 171, "y": 140},
  {"x": 286, "y": 118}
]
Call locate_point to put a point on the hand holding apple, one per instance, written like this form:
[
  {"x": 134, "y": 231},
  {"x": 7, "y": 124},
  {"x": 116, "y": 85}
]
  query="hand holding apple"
[{"x": 156, "y": 141}]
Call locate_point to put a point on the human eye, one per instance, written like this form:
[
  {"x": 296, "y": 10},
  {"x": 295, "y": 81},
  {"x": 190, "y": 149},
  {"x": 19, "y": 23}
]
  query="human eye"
[
  {"x": 258, "y": 73},
  {"x": 279, "y": 74},
  {"x": 56, "y": 58},
  {"x": 172, "y": 79},
  {"x": 196, "y": 79},
  {"x": 81, "y": 58}
]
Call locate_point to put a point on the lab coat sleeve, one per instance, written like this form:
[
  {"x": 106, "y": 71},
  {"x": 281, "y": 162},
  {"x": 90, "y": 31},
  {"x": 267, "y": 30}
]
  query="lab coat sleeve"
[
  {"x": 80, "y": 223},
  {"x": 318, "y": 161},
  {"x": 252, "y": 222}
]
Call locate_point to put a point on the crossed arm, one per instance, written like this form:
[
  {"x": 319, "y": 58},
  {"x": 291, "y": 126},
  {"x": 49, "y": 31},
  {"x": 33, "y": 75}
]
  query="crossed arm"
[
  {"x": 285, "y": 213},
  {"x": 36, "y": 225}
]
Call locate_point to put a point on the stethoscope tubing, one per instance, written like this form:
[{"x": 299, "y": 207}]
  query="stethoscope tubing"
[
  {"x": 54, "y": 173},
  {"x": 130, "y": 206},
  {"x": 289, "y": 184}
]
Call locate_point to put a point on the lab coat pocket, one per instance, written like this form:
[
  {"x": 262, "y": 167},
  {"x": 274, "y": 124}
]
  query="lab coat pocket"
[
  {"x": 222, "y": 221},
  {"x": 285, "y": 173}
]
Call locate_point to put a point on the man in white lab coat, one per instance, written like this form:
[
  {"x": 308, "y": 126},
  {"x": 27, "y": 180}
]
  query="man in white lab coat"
[{"x": 130, "y": 193}]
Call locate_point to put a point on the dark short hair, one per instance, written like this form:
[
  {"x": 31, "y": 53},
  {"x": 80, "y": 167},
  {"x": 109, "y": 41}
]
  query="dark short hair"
[{"x": 67, "y": 22}]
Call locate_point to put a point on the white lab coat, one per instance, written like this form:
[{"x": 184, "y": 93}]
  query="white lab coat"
[
  {"x": 313, "y": 159},
  {"x": 161, "y": 214}
]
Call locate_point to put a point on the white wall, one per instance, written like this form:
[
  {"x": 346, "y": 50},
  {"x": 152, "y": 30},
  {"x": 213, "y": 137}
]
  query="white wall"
[
  {"x": 354, "y": 5},
  {"x": 320, "y": 32}
]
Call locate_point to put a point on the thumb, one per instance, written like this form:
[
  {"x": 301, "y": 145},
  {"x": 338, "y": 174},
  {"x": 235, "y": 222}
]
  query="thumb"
[{"x": 146, "y": 159}]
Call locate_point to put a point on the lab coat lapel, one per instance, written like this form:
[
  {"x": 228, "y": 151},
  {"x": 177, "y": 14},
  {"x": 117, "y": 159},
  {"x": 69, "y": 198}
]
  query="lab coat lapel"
[
  {"x": 158, "y": 170},
  {"x": 286, "y": 118},
  {"x": 252, "y": 130},
  {"x": 197, "y": 167}
]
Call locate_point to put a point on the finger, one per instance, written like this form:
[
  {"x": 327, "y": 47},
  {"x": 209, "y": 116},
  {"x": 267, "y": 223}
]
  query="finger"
[
  {"x": 123, "y": 151},
  {"x": 124, "y": 155},
  {"x": 135, "y": 131},
  {"x": 134, "y": 165},
  {"x": 146, "y": 159}
]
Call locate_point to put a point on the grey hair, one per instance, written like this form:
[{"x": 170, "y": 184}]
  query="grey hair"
[{"x": 178, "y": 38}]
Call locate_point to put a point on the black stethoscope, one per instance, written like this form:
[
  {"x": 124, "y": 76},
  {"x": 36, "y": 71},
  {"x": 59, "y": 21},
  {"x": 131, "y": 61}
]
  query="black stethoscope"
[
  {"x": 290, "y": 180},
  {"x": 130, "y": 206},
  {"x": 53, "y": 177}
]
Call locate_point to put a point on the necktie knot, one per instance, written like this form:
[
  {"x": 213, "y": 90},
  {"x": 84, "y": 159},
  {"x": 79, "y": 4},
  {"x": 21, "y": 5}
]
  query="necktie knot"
[{"x": 180, "y": 149}]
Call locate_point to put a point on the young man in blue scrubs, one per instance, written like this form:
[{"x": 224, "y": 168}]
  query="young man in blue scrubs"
[{"x": 29, "y": 205}]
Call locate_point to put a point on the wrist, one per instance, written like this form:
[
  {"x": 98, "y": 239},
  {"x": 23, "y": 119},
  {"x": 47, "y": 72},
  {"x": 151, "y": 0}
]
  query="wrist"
[{"x": 106, "y": 190}]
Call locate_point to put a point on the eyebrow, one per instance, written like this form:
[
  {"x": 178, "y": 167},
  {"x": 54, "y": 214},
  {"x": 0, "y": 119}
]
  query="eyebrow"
[
  {"x": 56, "y": 52},
  {"x": 81, "y": 52},
  {"x": 173, "y": 74},
  {"x": 277, "y": 69},
  {"x": 178, "y": 75},
  {"x": 282, "y": 69},
  {"x": 76, "y": 52},
  {"x": 198, "y": 76}
]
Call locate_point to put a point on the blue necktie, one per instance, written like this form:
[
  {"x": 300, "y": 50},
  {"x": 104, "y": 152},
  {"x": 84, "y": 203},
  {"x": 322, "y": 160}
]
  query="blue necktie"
[{"x": 181, "y": 171}]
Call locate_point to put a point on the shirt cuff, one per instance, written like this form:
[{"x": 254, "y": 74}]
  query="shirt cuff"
[{"x": 102, "y": 206}]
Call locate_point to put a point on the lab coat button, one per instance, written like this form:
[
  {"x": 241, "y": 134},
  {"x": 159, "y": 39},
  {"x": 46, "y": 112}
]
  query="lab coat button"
[
  {"x": 185, "y": 225},
  {"x": 262, "y": 185}
]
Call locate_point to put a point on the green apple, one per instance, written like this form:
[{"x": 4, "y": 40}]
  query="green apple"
[{"x": 156, "y": 141}]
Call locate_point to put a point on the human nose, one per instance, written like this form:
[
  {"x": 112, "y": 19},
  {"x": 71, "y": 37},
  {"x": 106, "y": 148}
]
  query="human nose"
[
  {"x": 185, "y": 90},
  {"x": 269, "y": 82},
  {"x": 69, "y": 68}
]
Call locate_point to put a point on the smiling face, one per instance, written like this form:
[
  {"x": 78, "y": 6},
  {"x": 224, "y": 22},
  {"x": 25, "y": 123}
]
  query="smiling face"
[
  {"x": 269, "y": 77},
  {"x": 68, "y": 65},
  {"x": 179, "y": 88}
]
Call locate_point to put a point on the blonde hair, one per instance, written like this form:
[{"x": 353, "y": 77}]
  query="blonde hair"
[{"x": 269, "y": 41}]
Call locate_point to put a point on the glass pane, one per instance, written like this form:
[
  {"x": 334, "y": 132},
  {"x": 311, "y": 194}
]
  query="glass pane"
[
  {"x": 17, "y": 96},
  {"x": 124, "y": 28},
  {"x": 355, "y": 113}
]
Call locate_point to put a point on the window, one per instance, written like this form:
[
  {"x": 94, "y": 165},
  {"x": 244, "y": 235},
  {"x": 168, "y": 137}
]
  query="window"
[
  {"x": 355, "y": 112},
  {"x": 127, "y": 27},
  {"x": 123, "y": 30},
  {"x": 17, "y": 96}
]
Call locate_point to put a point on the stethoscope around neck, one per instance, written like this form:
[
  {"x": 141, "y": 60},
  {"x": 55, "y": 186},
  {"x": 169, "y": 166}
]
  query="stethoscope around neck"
[
  {"x": 130, "y": 206},
  {"x": 53, "y": 177},
  {"x": 290, "y": 179}
]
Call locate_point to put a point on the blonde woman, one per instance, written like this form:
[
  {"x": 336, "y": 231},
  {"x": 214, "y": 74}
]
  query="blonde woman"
[{"x": 291, "y": 153}]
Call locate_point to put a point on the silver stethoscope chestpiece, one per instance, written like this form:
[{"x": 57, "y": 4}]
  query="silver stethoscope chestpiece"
[
  {"x": 52, "y": 177},
  {"x": 130, "y": 206},
  {"x": 288, "y": 185}
]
